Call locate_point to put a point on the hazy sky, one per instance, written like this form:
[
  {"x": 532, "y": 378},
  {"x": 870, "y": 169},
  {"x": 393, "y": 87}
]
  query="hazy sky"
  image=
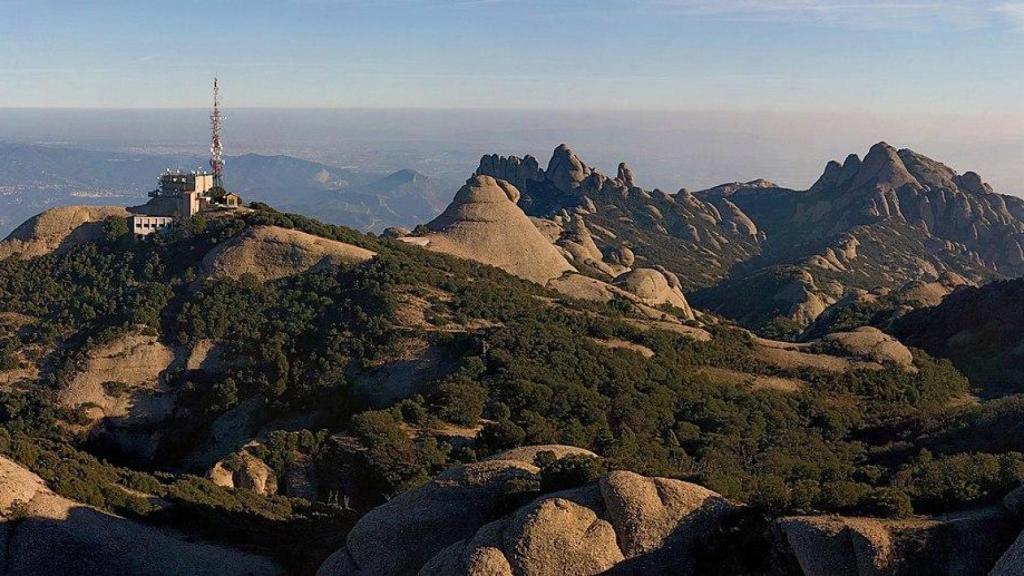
[{"x": 886, "y": 56}]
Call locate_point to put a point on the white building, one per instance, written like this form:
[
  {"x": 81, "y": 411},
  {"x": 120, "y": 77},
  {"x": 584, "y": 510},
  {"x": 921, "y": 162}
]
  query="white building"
[{"x": 142, "y": 225}]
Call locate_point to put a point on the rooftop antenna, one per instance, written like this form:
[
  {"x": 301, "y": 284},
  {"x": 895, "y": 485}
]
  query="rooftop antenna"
[{"x": 216, "y": 148}]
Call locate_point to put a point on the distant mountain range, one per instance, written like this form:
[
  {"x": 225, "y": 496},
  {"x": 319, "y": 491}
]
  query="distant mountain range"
[
  {"x": 775, "y": 259},
  {"x": 34, "y": 178}
]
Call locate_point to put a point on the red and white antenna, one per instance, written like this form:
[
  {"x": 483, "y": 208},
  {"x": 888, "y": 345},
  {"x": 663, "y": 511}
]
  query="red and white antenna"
[{"x": 216, "y": 148}]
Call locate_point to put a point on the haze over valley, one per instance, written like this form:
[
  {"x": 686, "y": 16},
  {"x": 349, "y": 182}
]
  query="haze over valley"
[{"x": 669, "y": 150}]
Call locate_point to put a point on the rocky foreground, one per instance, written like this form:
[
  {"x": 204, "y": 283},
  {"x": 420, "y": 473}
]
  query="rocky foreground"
[
  {"x": 624, "y": 523},
  {"x": 44, "y": 533}
]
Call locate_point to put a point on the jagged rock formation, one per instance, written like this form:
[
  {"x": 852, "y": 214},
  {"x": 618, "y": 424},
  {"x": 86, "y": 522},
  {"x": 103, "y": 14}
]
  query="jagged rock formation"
[
  {"x": 694, "y": 239},
  {"x": 455, "y": 525},
  {"x": 873, "y": 224},
  {"x": 58, "y": 229},
  {"x": 43, "y": 533},
  {"x": 272, "y": 252},
  {"x": 776, "y": 259},
  {"x": 483, "y": 223}
]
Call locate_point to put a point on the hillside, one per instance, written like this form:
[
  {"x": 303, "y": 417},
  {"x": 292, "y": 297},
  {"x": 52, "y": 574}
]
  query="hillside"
[
  {"x": 245, "y": 398},
  {"x": 980, "y": 329}
]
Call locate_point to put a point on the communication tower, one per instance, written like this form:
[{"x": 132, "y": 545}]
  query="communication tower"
[{"x": 216, "y": 147}]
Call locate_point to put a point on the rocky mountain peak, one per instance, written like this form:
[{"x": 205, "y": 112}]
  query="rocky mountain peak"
[
  {"x": 566, "y": 170},
  {"x": 517, "y": 171},
  {"x": 626, "y": 176},
  {"x": 972, "y": 182},
  {"x": 883, "y": 167}
]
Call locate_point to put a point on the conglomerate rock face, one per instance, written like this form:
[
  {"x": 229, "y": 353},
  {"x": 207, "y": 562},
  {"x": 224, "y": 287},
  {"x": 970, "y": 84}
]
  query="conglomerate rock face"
[
  {"x": 484, "y": 224},
  {"x": 272, "y": 252},
  {"x": 626, "y": 523},
  {"x": 44, "y": 533},
  {"x": 58, "y": 229},
  {"x": 455, "y": 525}
]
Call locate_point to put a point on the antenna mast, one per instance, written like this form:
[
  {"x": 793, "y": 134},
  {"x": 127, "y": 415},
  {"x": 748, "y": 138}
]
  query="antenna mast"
[{"x": 216, "y": 148}]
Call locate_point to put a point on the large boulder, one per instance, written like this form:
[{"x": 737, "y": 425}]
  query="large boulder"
[
  {"x": 402, "y": 535},
  {"x": 58, "y": 229},
  {"x": 869, "y": 343},
  {"x": 44, "y": 533},
  {"x": 562, "y": 535},
  {"x": 272, "y": 252},
  {"x": 246, "y": 472},
  {"x": 651, "y": 514},
  {"x": 456, "y": 526},
  {"x": 484, "y": 224},
  {"x": 654, "y": 288}
]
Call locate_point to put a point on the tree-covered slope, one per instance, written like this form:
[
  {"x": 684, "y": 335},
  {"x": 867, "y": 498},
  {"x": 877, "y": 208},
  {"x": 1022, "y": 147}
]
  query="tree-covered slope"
[{"x": 348, "y": 382}]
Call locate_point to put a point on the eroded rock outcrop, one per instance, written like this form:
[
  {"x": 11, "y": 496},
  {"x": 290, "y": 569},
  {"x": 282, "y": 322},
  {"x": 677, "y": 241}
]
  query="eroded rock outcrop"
[
  {"x": 44, "y": 533},
  {"x": 272, "y": 252},
  {"x": 58, "y": 229},
  {"x": 454, "y": 525},
  {"x": 871, "y": 344},
  {"x": 121, "y": 378},
  {"x": 244, "y": 471},
  {"x": 654, "y": 288},
  {"x": 965, "y": 544},
  {"x": 484, "y": 224}
]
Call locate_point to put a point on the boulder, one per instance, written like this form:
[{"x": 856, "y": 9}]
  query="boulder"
[
  {"x": 561, "y": 535},
  {"x": 528, "y": 454},
  {"x": 245, "y": 472},
  {"x": 482, "y": 555},
  {"x": 622, "y": 256},
  {"x": 623, "y": 524},
  {"x": 872, "y": 344},
  {"x": 647, "y": 512},
  {"x": 400, "y": 536},
  {"x": 396, "y": 232},
  {"x": 654, "y": 288}
]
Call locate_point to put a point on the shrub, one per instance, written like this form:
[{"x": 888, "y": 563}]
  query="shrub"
[
  {"x": 569, "y": 472},
  {"x": 501, "y": 435}
]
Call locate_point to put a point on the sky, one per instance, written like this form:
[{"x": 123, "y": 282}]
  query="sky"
[{"x": 884, "y": 57}]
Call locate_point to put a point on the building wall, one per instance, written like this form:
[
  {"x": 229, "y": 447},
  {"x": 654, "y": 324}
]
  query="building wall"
[
  {"x": 203, "y": 182},
  {"x": 188, "y": 204},
  {"x": 146, "y": 225}
]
